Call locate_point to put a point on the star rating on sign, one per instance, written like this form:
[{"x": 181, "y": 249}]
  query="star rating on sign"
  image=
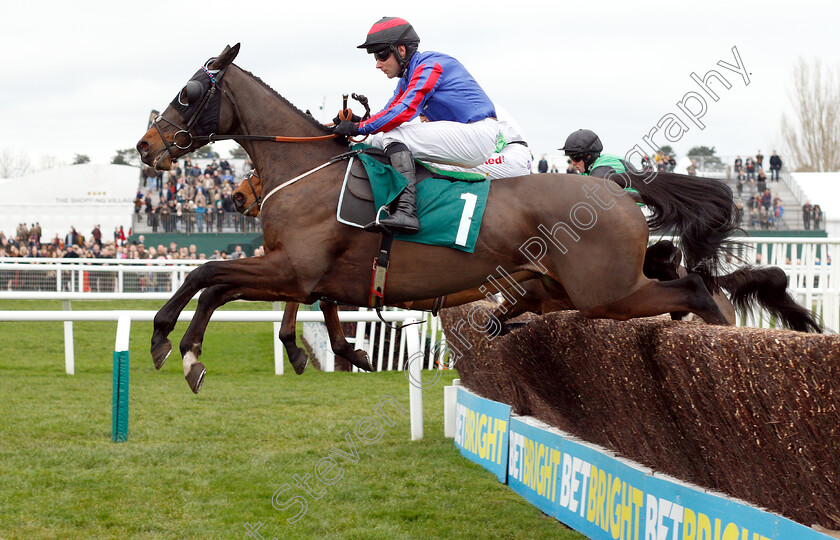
[{"x": 96, "y": 193}]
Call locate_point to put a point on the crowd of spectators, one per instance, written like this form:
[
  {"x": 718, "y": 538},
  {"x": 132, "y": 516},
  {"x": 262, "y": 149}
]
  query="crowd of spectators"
[
  {"x": 757, "y": 206},
  {"x": 812, "y": 215},
  {"x": 75, "y": 246},
  {"x": 26, "y": 243},
  {"x": 191, "y": 200}
]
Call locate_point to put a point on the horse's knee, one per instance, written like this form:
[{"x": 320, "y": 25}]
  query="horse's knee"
[{"x": 698, "y": 298}]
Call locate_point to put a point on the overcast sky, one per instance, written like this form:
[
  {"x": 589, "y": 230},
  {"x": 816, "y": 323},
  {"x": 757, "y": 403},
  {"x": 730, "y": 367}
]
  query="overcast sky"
[{"x": 81, "y": 77}]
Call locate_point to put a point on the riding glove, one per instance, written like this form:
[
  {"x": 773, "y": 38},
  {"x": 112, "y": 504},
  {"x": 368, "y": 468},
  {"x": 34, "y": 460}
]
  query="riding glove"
[{"x": 346, "y": 128}]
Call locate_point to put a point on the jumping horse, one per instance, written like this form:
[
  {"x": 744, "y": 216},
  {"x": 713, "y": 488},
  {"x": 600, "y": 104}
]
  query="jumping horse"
[
  {"x": 585, "y": 241},
  {"x": 748, "y": 288}
]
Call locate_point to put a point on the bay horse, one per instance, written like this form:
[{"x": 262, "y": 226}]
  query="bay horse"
[
  {"x": 585, "y": 241},
  {"x": 748, "y": 288}
]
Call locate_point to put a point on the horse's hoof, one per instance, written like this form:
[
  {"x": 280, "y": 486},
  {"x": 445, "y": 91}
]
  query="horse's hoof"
[
  {"x": 195, "y": 378},
  {"x": 299, "y": 361},
  {"x": 161, "y": 352},
  {"x": 361, "y": 360}
]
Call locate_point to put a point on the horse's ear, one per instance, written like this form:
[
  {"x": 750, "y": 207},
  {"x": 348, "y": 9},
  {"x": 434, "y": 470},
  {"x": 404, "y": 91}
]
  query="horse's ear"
[{"x": 226, "y": 58}]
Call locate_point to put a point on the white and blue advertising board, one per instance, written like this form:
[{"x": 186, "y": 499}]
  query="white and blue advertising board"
[
  {"x": 600, "y": 496},
  {"x": 481, "y": 431},
  {"x": 590, "y": 490},
  {"x": 534, "y": 463},
  {"x": 673, "y": 510}
]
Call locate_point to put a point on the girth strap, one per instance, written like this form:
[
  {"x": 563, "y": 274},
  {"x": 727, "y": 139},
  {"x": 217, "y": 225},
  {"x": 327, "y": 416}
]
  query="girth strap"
[{"x": 380, "y": 272}]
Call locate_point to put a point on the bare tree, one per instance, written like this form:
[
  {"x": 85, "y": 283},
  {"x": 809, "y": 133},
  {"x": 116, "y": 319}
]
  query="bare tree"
[
  {"x": 14, "y": 163},
  {"x": 50, "y": 162},
  {"x": 6, "y": 163},
  {"x": 813, "y": 136}
]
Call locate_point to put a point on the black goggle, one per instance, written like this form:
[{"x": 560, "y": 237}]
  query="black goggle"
[
  {"x": 382, "y": 55},
  {"x": 577, "y": 157}
]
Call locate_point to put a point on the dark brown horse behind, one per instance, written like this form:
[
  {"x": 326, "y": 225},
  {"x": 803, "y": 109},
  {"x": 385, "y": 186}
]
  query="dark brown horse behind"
[{"x": 583, "y": 238}]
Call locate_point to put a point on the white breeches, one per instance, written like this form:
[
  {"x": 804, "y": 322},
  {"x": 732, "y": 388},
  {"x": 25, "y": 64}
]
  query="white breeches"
[
  {"x": 448, "y": 143},
  {"x": 513, "y": 160}
]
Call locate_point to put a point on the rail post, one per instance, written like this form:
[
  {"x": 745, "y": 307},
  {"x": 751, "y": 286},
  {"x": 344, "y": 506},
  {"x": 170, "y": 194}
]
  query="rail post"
[
  {"x": 415, "y": 378},
  {"x": 69, "y": 355},
  {"x": 119, "y": 415}
]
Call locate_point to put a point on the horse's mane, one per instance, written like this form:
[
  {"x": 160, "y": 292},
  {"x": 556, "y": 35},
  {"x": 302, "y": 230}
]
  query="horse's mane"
[{"x": 311, "y": 119}]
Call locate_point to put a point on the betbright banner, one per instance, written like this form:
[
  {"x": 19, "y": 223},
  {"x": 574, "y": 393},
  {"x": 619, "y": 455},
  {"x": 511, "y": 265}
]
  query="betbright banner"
[
  {"x": 604, "y": 497},
  {"x": 481, "y": 431}
]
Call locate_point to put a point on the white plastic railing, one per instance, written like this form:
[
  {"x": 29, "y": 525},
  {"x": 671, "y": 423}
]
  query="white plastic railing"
[
  {"x": 813, "y": 270},
  {"x": 411, "y": 332},
  {"x": 94, "y": 275}
]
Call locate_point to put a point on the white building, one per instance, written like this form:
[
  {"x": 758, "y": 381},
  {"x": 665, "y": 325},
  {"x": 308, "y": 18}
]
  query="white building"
[{"x": 80, "y": 196}]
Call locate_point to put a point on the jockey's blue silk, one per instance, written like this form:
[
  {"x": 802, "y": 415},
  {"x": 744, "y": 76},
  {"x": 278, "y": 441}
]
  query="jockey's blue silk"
[{"x": 437, "y": 86}]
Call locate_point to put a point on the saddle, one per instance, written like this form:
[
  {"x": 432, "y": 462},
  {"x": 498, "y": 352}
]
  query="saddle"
[{"x": 355, "y": 202}]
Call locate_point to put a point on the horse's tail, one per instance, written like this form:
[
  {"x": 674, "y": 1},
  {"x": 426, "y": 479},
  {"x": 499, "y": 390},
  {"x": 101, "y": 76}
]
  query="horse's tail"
[
  {"x": 751, "y": 287},
  {"x": 700, "y": 210}
]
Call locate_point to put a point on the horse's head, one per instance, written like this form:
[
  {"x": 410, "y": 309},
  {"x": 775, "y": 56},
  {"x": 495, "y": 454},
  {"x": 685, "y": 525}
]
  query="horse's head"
[
  {"x": 194, "y": 115},
  {"x": 248, "y": 195}
]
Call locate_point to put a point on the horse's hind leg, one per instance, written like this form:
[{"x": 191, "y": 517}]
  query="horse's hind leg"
[
  {"x": 656, "y": 297},
  {"x": 340, "y": 346}
]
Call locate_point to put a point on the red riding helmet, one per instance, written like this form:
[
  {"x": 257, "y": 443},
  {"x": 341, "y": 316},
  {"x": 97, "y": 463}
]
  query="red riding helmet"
[{"x": 389, "y": 32}]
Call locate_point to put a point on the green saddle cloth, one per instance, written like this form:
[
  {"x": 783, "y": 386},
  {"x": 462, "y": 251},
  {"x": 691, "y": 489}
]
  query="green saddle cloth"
[{"x": 450, "y": 212}]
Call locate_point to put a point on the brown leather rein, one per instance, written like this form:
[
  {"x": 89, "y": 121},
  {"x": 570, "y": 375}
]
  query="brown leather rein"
[
  {"x": 271, "y": 138},
  {"x": 245, "y": 137}
]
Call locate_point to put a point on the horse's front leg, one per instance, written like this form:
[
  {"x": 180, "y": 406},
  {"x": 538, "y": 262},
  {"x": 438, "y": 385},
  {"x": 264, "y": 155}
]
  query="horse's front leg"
[
  {"x": 340, "y": 346},
  {"x": 167, "y": 316},
  {"x": 210, "y": 300},
  {"x": 261, "y": 278},
  {"x": 288, "y": 335}
]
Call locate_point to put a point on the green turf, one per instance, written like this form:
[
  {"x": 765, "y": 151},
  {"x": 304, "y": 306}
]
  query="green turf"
[{"x": 205, "y": 466}]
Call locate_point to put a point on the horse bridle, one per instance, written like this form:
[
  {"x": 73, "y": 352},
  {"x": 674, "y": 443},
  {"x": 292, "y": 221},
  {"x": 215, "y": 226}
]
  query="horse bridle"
[
  {"x": 205, "y": 100},
  {"x": 215, "y": 78},
  {"x": 257, "y": 199}
]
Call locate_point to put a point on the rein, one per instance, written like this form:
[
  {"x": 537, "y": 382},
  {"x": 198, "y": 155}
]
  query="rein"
[
  {"x": 333, "y": 160},
  {"x": 270, "y": 138},
  {"x": 211, "y": 138}
]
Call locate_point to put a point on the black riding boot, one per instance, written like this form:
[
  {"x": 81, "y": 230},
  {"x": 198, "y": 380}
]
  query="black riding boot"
[{"x": 404, "y": 218}]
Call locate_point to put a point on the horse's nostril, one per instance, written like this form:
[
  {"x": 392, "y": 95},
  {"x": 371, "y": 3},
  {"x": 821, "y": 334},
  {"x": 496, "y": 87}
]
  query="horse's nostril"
[
  {"x": 238, "y": 199},
  {"x": 142, "y": 147}
]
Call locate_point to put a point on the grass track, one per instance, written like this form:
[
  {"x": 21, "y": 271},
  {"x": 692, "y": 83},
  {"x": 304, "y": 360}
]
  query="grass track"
[{"x": 204, "y": 466}]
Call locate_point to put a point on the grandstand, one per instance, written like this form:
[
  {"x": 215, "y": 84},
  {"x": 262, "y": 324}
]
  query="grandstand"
[{"x": 793, "y": 190}]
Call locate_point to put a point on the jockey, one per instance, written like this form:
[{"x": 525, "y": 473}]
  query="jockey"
[
  {"x": 584, "y": 149},
  {"x": 461, "y": 130}
]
